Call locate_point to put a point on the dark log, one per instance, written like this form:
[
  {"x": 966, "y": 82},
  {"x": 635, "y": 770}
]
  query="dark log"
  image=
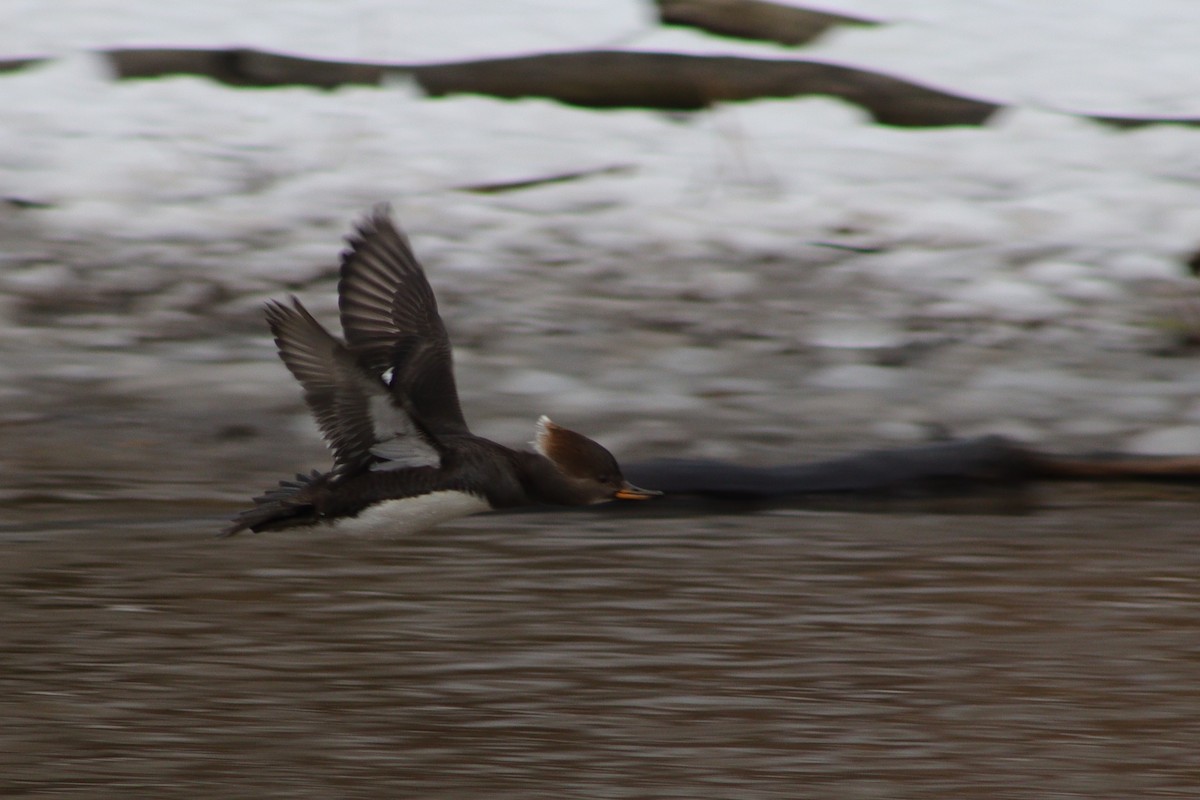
[
  {"x": 754, "y": 19},
  {"x": 598, "y": 79},
  {"x": 498, "y": 187},
  {"x": 243, "y": 67},
  {"x": 955, "y": 468},
  {"x": 602, "y": 79},
  {"x": 14, "y": 64},
  {"x": 1130, "y": 123},
  {"x": 930, "y": 468}
]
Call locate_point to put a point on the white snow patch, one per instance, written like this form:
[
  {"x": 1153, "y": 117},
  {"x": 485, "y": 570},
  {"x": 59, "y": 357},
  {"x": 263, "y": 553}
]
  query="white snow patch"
[
  {"x": 1058, "y": 273},
  {"x": 538, "y": 382},
  {"x": 853, "y": 333},
  {"x": 856, "y": 377},
  {"x": 1139, "y": 407},
  {"x": 1178, "y": 440},
  {"x": 900, "y": 430},
  {"x": 692, "y": 360},
  {"x": 1013, "y": 300},
  {"x": 1138, "y": 266}
]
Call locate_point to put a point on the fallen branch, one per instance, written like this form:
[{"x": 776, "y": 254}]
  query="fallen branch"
[
  {"x": 755, "y": 19},
  {"x": 951, "y": 468},
  {"x": 596, "y": 79}
]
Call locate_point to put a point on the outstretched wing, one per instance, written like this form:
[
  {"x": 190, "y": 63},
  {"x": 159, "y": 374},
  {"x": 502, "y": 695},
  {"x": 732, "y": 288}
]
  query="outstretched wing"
[
  {"x": 390, "y": 318},
  {"x": 355, "y": 413}
]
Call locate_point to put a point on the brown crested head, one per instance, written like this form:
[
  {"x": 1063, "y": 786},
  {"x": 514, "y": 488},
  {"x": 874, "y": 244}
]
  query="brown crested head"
[{"x": 586, "y": 463}]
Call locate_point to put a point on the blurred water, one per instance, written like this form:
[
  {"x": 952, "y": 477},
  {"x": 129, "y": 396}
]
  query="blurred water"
[{"x": 777, "y": 655}]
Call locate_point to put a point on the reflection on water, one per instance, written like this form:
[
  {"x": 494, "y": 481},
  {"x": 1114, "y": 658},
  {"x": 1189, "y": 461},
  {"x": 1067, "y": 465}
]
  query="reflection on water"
[{"x": 776, "y": 655}]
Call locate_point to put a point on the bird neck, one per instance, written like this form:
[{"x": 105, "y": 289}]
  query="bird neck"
[{"x": 546, "y": 483}]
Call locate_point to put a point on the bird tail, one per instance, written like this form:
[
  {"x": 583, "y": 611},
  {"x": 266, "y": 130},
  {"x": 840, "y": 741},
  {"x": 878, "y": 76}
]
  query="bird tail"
[{"x": 286, "y": 506}]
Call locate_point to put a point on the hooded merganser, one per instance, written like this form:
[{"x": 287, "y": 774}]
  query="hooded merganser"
[{"x": 386, "y": 404}]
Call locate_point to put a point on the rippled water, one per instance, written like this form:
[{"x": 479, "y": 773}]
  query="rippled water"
[{"x": 780, "y": 655}]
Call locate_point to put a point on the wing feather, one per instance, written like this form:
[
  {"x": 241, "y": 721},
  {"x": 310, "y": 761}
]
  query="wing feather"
[
  {"x": 391, "y": 321},
  {"x": 358, "y": 418}
]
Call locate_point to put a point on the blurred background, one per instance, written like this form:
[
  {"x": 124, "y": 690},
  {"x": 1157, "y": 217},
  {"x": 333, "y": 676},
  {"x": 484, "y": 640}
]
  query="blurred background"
[{"x": 719, "y": 229}]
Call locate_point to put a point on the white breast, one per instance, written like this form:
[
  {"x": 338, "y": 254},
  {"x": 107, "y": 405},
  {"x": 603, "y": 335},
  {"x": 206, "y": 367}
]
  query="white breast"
[{"x": 411, "y": 514}]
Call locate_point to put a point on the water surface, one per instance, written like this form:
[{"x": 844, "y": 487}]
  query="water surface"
[{"x": 775, "y": 655}]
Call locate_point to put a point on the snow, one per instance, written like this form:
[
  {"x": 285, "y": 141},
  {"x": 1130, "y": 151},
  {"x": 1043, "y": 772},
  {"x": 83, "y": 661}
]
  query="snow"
[
  {"x": 1178, "y": 440},
  {"x": 842, "y": 331},
  {"x": 1040, "y": 218},
  {"x": 856, "y": 378},
  {"x": 1095, "y": 55},
  {"x": 396, "y": 30}
]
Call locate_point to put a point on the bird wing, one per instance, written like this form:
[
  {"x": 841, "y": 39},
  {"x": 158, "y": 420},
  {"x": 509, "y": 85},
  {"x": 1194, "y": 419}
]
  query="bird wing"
[
  {"x": 359, "y": 419},
  {"x": 390, "y": 318}
]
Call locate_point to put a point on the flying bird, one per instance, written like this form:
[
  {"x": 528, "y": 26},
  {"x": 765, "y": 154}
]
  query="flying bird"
[{"x": 386, "y": 404}]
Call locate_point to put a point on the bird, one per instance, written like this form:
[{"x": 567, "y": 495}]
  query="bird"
[{"x": 386, "y": 404}]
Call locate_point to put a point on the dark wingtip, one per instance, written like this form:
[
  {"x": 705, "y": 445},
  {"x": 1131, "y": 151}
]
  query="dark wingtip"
[
  {"x": 276, "y": 311},
  {"x": 376, "y": 226},
  {"x": 231, "y": 531},
  {"x": 378, "y": 220},
  {"x": 381, "y": 213},
  {"x": 283, "y": 319}
]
